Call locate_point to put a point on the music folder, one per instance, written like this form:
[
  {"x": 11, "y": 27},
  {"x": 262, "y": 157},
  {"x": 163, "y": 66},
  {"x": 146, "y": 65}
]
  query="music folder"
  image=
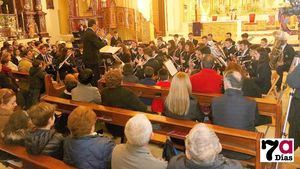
[
  {"x": 109, "y": 49},
  {"x": 171, "y": 68}
]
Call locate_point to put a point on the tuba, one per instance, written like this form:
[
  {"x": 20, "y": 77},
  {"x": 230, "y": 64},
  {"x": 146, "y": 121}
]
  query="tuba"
[{"x": 276, "y": 55}]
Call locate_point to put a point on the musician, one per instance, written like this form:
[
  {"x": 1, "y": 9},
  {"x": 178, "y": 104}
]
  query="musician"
[
  {"x": 46, "y": 59},
  {"x": 188, "y": 54},
  {"x": 264, "y": 44},
  {"x": 115, "y": 39},
  {"x": 140, "y": 55},
  {"x": 245, "y": 36},
  {"x": 171, "y": 46},
  {"x": 192, "y": 40},
  {"x": 133, "y": 49},
  {"x": 124, "y": 53},
  {"x": 243, "y": 56},
  {"x": 195, "y": 64},
  {"x": 177, "y": 57},
  {"x": 158, "y": 55},
  {"x": 92, "y": 43},
  {"x": 288, "y": 56},
  {"x": 262, "y": 71},
  {"x": 210, "y": 38},
  {"x": 228, "y": 35},
  {"x": 160, "y": 43},
  {"x": 205, "y": 41},
  {"x": 176, "y": 39},
  {"x": 66, "y": 62},
  {"x": 149, "y": 61},
  {"x": 229, "y": 49}
]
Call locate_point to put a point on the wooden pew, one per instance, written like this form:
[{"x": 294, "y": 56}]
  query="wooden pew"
[
  {"x": 53, "y": 89},
  {"x": 19, "y": 75},
  {"x": 267, "y": 107},
  {"x": 32, "y": 161},
  {"x": 231, "y": 139}
]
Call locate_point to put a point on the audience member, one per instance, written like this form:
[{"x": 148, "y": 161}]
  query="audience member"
[
  {"x": 128, "y": 75},
  {"x": 136, "y": 153},
  {"x": 26, "y": 62},
  {"x": 36, "y": 81},
  {"x": 180, "y": 103},
  {"x": 43, "y": 139},
  {"x": 117, "y": 96},
  {"x": 17, "y": 128},
  {"x": 163, "y": 81},
  {"x": 207, "y": 80},
  {"x": 7, "y": 65},
  {"x": 70, "y": 85},
  {"x": 202, "y": 152},
  {"x": 148, "y": 80},
  {"x": 84, "y": 149},
  {"x": 84, "y": 91},
  {"x": 7, "y": 105}
]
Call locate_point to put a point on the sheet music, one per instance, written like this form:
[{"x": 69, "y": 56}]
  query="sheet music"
[
  {"x": 171, "y": 68},
  {"x": 109, "y": 49}
]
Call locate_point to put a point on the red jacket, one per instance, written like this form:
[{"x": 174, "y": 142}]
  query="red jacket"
[
  {"x": 207, "y": 81},
  {"x": 158, "y": 104}
]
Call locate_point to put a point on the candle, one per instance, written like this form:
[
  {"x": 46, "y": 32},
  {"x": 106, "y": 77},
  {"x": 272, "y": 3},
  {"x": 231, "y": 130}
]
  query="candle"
[{"x": 7, "y": 9}]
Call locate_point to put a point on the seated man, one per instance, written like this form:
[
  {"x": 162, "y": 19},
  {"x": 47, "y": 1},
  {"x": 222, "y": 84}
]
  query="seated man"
[
  {"x": 43, "y": 140},
  {"x": 207, "y": 80},
  {"x": 84, "y": 148},
  {"x": 84, "y": 91},
  {"x": 202, "y": 151},
  {"x": 128, "y": 75},
  {"x": 233, "y": 109},
  {"x": 148, "y": 80},
  {"x": 135, "y": 153}
]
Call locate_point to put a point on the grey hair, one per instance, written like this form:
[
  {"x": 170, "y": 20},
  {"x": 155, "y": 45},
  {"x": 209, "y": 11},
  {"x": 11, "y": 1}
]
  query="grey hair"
[
  {"x": 202, "y": 144},
  {"x": 138, "y": 130},
  {"x": 234, "y": 78}
]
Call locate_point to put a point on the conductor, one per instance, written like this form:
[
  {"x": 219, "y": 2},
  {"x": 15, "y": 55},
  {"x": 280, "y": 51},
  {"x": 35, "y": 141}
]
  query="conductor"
[{"x": 92, "y": 42}]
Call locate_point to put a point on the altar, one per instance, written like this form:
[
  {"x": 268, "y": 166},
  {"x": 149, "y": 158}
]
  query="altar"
[{"x": 220, "y": 28}]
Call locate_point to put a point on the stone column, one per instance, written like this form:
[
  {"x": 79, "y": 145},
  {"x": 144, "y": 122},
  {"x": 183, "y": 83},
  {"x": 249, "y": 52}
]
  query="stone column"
[{"x": 40, "y": 19}]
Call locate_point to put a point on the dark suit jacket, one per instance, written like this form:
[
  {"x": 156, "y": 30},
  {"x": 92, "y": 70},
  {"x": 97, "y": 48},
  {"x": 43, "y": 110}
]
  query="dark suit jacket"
[
  {"x": 288, "y": 55},
  {"x": 262, "y": 75},
  {"x": 234, "y": 110},
  {"x": 91, "y": 45},
  {"x": 195, "y": 42}
]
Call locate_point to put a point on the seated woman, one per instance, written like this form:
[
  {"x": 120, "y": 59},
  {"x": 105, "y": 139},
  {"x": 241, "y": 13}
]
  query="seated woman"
[
  {"x": 16, "y": 129},
  {"x": 262, "y": 71},
  {"x": 180, "y": 103},
  {"x": 202, "y": 151},
  {"x": 135, "y": 153},
  {"x": 7, "y": 106},
  {"x": 117, "y": 96},
  {"x": 26, "y": 62},
  {"x": 84, "y": 148}
]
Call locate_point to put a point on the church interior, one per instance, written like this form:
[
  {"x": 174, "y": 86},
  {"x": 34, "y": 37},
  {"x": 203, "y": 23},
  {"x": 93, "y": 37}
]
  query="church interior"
[{"x": 75, "y": 66}]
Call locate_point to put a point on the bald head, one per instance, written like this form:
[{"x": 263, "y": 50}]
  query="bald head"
[{"x": 233, "y": 80}]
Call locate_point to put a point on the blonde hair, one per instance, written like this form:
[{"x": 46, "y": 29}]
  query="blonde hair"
[{"x": 178, "y": 99}]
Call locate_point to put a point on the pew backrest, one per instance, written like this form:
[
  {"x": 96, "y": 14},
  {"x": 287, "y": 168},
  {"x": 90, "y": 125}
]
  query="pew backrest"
[
  {"x": 267, "y": 107},
  {"x": 33, "y": 161},
  {"x": 231, "y": 139}
]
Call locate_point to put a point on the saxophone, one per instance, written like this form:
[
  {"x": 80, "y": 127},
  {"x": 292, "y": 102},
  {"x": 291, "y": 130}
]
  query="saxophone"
[{"x": 276, "y": 55}]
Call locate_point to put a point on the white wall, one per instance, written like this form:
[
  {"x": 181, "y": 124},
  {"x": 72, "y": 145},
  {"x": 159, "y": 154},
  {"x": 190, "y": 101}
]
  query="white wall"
[{"x": 52, "y": 21}]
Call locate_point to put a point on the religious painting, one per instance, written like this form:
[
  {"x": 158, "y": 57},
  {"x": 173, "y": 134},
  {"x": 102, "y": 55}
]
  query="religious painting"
[{"x": 50, "y": 4}]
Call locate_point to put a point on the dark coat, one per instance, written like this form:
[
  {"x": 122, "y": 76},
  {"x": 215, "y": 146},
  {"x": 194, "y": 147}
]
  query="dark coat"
[
  {"x": 89, "y": 152},
  {"x": 122, "y": 98},
  {"x": 288, "y": 55},
  {"x": 149, "y": 82},
  {"x": 181, "y": 162},
  {"x": 130, "y": 79},
  {"x": 293, "y": 80},
  {"x": 46, "y": 142},
  {"x": 251, "y": 89},
  {"x": 231, "y": 51},
  {"x": 234, "y": 110},
  {"x": 194, "y": 112},
  {"x": 91, "y": 45},
  {"x": 262, "y": 74}
]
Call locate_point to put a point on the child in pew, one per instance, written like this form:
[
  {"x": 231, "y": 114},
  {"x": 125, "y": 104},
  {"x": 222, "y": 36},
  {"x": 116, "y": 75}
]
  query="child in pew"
[
  {"x": 84, "y": 148},
  {"x": 158, "y": 104},
  {"x": 43, "y": 139},
  {"x": 148, "y": 80},
  {"x": 17, "y": 128}
]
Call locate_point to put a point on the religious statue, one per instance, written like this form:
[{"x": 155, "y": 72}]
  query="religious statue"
[{"x": 31, "y": 26}]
